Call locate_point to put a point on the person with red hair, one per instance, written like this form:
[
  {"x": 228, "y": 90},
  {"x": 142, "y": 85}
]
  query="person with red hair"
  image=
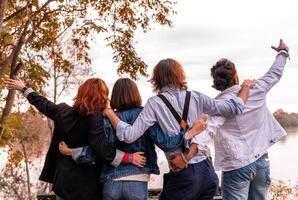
[{"x": 77, "y": 125}]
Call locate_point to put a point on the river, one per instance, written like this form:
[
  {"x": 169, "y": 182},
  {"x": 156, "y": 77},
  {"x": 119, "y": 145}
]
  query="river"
[{"x": 283, "y": 161}]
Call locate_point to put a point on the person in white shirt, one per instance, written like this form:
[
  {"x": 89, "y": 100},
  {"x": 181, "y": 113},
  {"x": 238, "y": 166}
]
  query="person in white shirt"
[{"x": 242, "y": 141}]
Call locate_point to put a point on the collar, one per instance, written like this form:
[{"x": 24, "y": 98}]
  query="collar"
[
  {"x": 232, "y": 89},
  {"x": 168, "y": 88}
]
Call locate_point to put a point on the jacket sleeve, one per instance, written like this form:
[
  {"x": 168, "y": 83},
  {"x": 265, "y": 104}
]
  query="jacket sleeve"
[
  {"x": 165, "y": 141},
  {"x": 99, "y": 142},
  {"x": 41, "y": 103},
  {"x": 83, "y": 155},
  {"x": 274, "y": 73}
]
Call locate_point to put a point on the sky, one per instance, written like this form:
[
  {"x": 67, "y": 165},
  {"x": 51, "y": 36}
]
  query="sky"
[{"x": 205, "y": 31}]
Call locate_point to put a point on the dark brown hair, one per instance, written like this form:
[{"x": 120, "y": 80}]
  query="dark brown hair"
[
  {"x": 125, "y": 95},
  {"x": 92, "y": 95},
  {"x": 168, "y": 72},
  {"x": 224, "y": 74}
]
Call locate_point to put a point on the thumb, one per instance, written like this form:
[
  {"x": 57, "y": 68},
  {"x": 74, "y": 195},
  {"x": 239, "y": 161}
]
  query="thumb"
[
  {"x": 140, "y": 153},
  {"x": 275, "y": 48}
]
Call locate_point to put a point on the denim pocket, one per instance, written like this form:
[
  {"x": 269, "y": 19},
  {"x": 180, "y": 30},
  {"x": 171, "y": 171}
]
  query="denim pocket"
[
  {"x": 237, "y": 179},
  {"x": 264, "y": 164}
]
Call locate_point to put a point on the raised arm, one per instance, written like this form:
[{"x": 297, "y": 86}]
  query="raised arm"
[
  {"x": 225, "y": 108},
  {"x": 275, "y": 72},
  {"x": 41, "y": 103},
  {"x": 130, "y": 133}
]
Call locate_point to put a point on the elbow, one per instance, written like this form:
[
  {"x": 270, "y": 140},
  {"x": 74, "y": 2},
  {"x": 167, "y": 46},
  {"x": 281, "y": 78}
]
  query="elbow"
[{"x": 129, "y": 141}]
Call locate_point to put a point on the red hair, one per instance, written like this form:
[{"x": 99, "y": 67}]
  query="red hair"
[{"x": 92, "y": 95}]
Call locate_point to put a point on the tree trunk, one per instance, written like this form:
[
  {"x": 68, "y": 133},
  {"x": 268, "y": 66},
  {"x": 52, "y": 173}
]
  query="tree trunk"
[
  {"x": 27, "y": 170},
  {"x": 2, "y": 11},
  {"x": 14, "y": 69},
  {"x": 7, "y": 109}
]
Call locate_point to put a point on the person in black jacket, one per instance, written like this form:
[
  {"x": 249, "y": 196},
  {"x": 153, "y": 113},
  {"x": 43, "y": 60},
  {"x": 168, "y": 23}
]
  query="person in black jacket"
[{"x": 77, "y": 125}]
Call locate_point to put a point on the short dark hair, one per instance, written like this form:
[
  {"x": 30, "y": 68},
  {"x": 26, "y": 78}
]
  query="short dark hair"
[
  {"x": 125, "y": 95},
  {"x": 224, "y": 74},
  {"x": 168, "y": 72}
]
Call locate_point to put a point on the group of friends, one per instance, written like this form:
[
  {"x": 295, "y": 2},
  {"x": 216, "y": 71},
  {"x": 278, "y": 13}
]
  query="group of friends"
[{"x": 104, "y": 148}]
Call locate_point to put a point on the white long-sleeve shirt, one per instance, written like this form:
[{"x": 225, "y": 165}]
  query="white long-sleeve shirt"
[{"x": 244, "y": 138}]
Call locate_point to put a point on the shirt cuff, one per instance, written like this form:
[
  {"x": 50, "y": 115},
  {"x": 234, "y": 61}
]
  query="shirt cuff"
[
  {"x": 76, "y": 153},
  {"x": 283, "y": 52},
  {"x": 120, "y": 128},
  {"x": 118, "y": 158},
  {"x": 27, "y": 92},
  {"x": 240, "y": 101}
]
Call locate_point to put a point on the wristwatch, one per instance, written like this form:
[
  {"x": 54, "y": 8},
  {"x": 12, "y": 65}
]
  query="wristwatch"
[{"x": 24, "y": 89}]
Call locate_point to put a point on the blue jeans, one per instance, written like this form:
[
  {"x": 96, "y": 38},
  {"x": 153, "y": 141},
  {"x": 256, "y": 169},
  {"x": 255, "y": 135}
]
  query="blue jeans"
[
  {"x": 250, "y": 182},
  {"x": 196, "y": 182},
  {"x": 125, "y": 190}
]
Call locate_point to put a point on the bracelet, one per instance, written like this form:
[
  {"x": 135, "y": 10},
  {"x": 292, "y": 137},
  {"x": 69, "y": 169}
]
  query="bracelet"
[
  {"x": 24, "y": 89},
  {"x": 125, "y": 158},
  {"x": 130, "y": 158},
  {"x": 184, "y": 159}
]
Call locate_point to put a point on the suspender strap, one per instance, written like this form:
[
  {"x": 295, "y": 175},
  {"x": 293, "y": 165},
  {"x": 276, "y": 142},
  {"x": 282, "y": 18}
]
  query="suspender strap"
[
  {"x": 181, "y": 121},
  {"x": 185, "y": 111},
  {"x": 170, "y": 107}
]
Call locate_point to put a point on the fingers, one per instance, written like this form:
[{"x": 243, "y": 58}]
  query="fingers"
[
  {"x": 249, "y": 83},
  {"x": 281, "y": 46},
  {"x": 274, "y": 48},
  {"x": 139, "y": 159},
  {"x": 205, "y": 117}
]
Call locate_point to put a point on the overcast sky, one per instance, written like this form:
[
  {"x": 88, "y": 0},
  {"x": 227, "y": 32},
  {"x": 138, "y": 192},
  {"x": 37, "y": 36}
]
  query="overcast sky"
[{"x": 205, "y": 31}]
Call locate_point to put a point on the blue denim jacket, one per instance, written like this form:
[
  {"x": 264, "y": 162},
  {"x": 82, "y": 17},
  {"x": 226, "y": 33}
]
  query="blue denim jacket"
[{"x": 145, "y": 143}]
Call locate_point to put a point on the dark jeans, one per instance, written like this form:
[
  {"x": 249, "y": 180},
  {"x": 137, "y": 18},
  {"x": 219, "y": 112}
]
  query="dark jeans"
[{"x": 196, "y": 182}]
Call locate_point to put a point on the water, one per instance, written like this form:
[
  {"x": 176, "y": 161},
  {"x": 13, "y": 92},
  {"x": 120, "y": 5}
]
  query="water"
[{"x": 283, "y": 161}]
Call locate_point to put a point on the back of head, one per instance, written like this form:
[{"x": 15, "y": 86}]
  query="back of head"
[
  {"x": 125, "y": 95},
  {"x": 224, "y": 74},
  {"x": 168, "y": 72},
  {"x": 92, "y": 95}
]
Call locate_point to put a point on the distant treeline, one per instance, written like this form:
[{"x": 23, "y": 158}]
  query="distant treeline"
[{"x": 286, "y": 119}]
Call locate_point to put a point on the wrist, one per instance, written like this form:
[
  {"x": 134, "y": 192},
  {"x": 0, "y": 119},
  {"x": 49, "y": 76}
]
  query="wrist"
[
  {"x": 23, "y": 89},
  {"x": 69, "y": 152},
  {"x": 184, "y": 158},
  {"x": 188, "y": 134},
  {"x": 187, "y": 157}
]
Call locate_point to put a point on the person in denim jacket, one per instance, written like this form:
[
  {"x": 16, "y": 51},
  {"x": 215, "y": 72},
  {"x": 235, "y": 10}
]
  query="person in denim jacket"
[{"x": 130, "y": 181}]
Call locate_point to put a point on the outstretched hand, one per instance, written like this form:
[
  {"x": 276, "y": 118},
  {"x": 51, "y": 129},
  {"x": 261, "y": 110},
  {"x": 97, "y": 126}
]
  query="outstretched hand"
[
  {"x": 14, "y": 84},
  {"x": 281, "y": 46}
]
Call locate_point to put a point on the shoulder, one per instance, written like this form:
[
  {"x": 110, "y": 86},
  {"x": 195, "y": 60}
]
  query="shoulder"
[
  {"x": 128, "y": 115},
  {"x": 64, "y": 110}
]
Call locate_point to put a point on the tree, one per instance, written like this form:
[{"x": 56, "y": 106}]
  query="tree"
[
  {"x": 15, "y": 180},
  {"x": 32, "y": 29},
  {"x": 2, "y": 8}
]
